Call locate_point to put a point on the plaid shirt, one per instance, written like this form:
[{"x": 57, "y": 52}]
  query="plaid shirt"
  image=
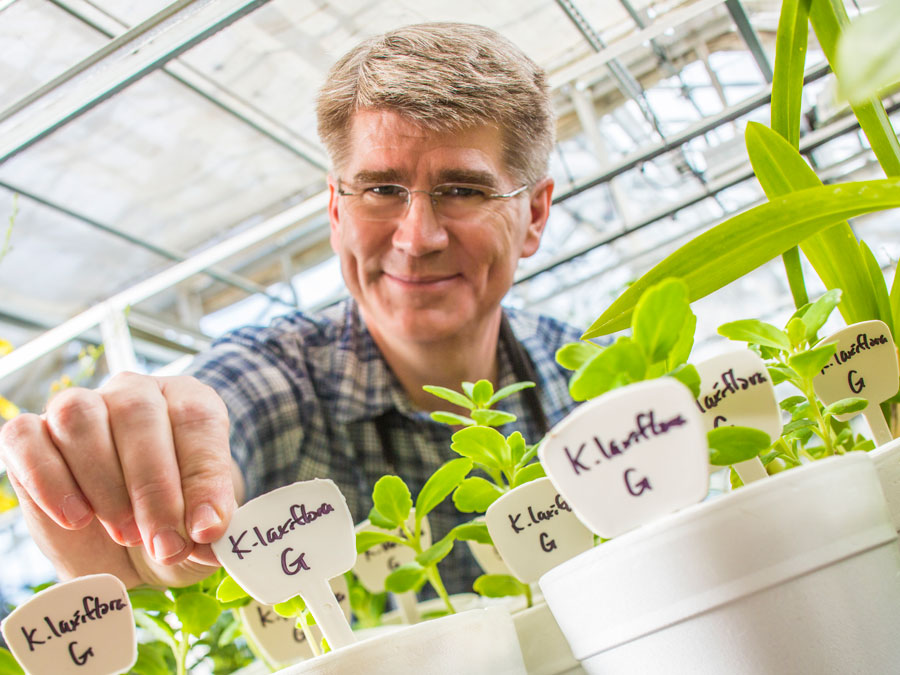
[{"x": 304, "y": 394}]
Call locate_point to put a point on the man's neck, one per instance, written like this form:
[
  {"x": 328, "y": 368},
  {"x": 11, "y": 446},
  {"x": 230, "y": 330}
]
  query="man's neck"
[{"x": 467, "y": 357}]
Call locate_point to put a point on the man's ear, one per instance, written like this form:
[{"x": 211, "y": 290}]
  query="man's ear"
[
  {"x": 541, "y": 198},
  {"x": 333, "y": 214}
]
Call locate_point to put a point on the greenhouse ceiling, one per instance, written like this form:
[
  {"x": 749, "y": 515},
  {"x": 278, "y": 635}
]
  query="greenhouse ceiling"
[{"x": 161, "y": 179}]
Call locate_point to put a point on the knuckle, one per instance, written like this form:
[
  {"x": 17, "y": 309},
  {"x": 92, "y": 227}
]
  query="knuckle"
[
  {"x": 208, "y": 412},
  {"x": 150, "y": 495},
  {"x": 18, "y": 433},
  {"x": 128, "y": 403},
  {"x": 76, "y": 409}
]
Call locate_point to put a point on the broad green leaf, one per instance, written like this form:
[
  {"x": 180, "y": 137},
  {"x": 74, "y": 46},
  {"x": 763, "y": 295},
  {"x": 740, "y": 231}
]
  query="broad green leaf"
[
  {"x": 575, "y": 354},
  {"x": 527, "y": 474},
  {"x": 405, "y": 578},
  {"x": 879, "y": 285},
  {"x": 379, "y": 520},
  {"x": 484, "y": 445},
  {"x": 436, "y": 552},
  {"x": 367, "y": 539},
  {"x": 509, "y": 390},
  {"x": 531, "y": 452},
  {"x": 392, "y": 499},
  {"x": 517, "y": 447},
  {"x": 742, "y": 243},
  {"x": 474, "y": 531},
  {"x": 452, "y": 419},
  {"x": 468, "y": 388},
  {"x": 453, "y": 397},
  {"x": 482, "y": 393},
  {"x": 895, "y": 305},
  {"x": 846, "y": 406},
  {"x": 291, "y": 607},
  {"x": 780, "y": 374},
  {"x": 808, "y": 364},
  {"x": 441, "y": 483},
  {"x": 150, "y": 661},
  {"x": 730, "y": 445},
  {"x": 197, "y": 612},
  {"x": 658, "y": 318},
  {"x": 791, "y": 427},
  {"x": 156, "y": 627},
  {"x": 681, "y": 351},
  {"x": 498, "y": 586},
  {"x": 475, "y": 495},
  {"x": 791, "y": 41},
  {"x": 9, "y": 666},
  {"x": 757, "y": 332},
  {"x": 792, "y": 402},
  {"x": 818, "y": 312},
  {"x": 229, "y": 591},
  {"x": 828, "y": 19},
  {"x": 796, "y": 332},
  {"x": 151, "y": 599},
  {"x": 688, "y": 376},
  {"x": 866, "y": 54},
  {"x": 492, "y": 418},
  {"x": 619, "y": 364}
]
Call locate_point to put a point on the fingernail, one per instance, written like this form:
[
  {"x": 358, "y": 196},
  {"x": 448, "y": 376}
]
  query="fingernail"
[
  {"x": 205, "y": 517},
  {"x": 167, "y": 544},
  {"x": 131, "y": 535},
  {"x": 75, "y": 509}
]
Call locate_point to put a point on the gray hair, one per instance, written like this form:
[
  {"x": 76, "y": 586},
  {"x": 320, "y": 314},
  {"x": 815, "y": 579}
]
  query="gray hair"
[{"x": 446, "y": 77}]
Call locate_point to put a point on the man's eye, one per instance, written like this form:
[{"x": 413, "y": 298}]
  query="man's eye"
[
  {"x": 463, "y": 191},
  {"x": 385, "y": 191}
]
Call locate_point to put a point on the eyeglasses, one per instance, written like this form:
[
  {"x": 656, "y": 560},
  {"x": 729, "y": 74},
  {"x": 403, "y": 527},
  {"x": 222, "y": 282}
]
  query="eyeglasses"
[{"x": 451, "y": 201}]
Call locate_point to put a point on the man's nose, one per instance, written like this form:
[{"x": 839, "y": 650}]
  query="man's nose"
[{"x": 420, "y": 231}]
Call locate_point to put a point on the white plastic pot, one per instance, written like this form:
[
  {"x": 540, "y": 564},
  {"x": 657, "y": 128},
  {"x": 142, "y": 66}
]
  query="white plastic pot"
[
  {"x": 887, "y": 462},
  {"x": 797, "y": 573},
  {"x": 544, "y": 647},
  {"x": 475, "y": 641}
]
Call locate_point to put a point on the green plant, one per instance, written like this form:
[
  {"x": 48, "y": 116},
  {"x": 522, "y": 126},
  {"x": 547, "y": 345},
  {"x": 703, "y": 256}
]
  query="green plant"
[{"x": 8, "y": 665}]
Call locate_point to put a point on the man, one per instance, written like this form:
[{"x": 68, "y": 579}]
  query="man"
[{"x": 439, "y": 137}]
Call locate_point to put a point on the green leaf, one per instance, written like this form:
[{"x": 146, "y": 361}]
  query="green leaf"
[
  {"x": 620, "y": 364},
  {"x": 757, "y": 332},
  {"x": 658, "y": 318},
  {"x": 527, "y": 474},
  {"x": 895, "y": 306},
  {"x": 492, "y": 418},
  {"x": 468, "y": 389},
  {"x": 575, "y": 354},
  {"x": 730, "y": 445},
  {"x": 866, "y": 54},
  {"x": 151, "y": 599},
  {"x": 742, "y": 243},
  {"x": 452, "y": 419},
  {"x": 846, "y": 406},
  {"x": 150, "y": 661},
  {"x": 688, "y": 376},
  {"x": 508, "y": 390},
  {"x": 808, "y": 364},
  {"x": 229, "y": 590},
  {"x": 379, "y": 520},
  {"x": 482, "y": 393},
  {"x": 498, "y": 586},
  {"x": 796, "y": 332},
  {"x": 474, "y": 531},
  {"x": 879, "y": 285},
  {"x": 475, "y": 494},
  {"x": 819, "y": 311},
  {"x": 735, "y": 479},
  {"x": 797, "y": 425},
  {"x": 392, "y": 499},
  {"x": 681, "y": 351},
  {"x": 292, "y": 607},
  {"x": 367, "y": 539},
  {"x": 791, "y": 41},
  {"x": 517, "y": 449},
  {"x": 792, "y": 402},
  {"x": 156, "y": 627},
  {"x": 780, "y": 374},
  {"x": 405, "y": 578},
  {"x": 453, "y": 397},
  {"x": 484, "y": 445},
  {"x": 9, "y": 666},
  {"x": 436, "y": 552},
  {"x": 441, "y": 483},
  {"x": 197, "y": 612}
]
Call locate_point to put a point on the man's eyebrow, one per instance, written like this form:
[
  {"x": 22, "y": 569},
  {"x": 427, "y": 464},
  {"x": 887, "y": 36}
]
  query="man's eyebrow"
[
  {"x": 378, "y": 176},
  {"x": 470, "y": 176}
]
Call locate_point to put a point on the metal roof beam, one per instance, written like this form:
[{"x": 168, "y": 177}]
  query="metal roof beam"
[
  {"x": 125, "y": 60},
  {"x": 745, "y": 28}
]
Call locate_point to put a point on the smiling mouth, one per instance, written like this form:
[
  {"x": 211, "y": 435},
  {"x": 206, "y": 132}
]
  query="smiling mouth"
[{"x": 425, "y": 280}]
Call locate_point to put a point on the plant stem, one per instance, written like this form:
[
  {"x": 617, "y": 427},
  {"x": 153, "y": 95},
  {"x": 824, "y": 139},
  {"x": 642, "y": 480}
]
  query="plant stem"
[
  {"x": 529, "y": 599},
  {"x": 434, "y": 578},
  {"x": 181, "y": 656}
]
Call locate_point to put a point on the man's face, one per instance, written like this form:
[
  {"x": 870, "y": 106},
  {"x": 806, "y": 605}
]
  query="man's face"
[{"x": 418, "y": 276}]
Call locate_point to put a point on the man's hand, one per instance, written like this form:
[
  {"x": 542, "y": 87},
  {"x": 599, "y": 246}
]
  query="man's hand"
[{"x": 134, "y": 478}]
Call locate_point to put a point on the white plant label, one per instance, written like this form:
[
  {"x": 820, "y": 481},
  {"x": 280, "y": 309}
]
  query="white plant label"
[
  {"x": 81, "y": 626},
  {"x": 535, "y": 530},
  {"x": 864, "y": 365},
  {"x": 630, "y": 456},
  {"x": 278, "y": 637},
  {"x": 373, "y": 566},
  {"x": 290, "y": 542},
  {"x": 736, "y": 390},
  {"x": 488, "y": 557}
]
